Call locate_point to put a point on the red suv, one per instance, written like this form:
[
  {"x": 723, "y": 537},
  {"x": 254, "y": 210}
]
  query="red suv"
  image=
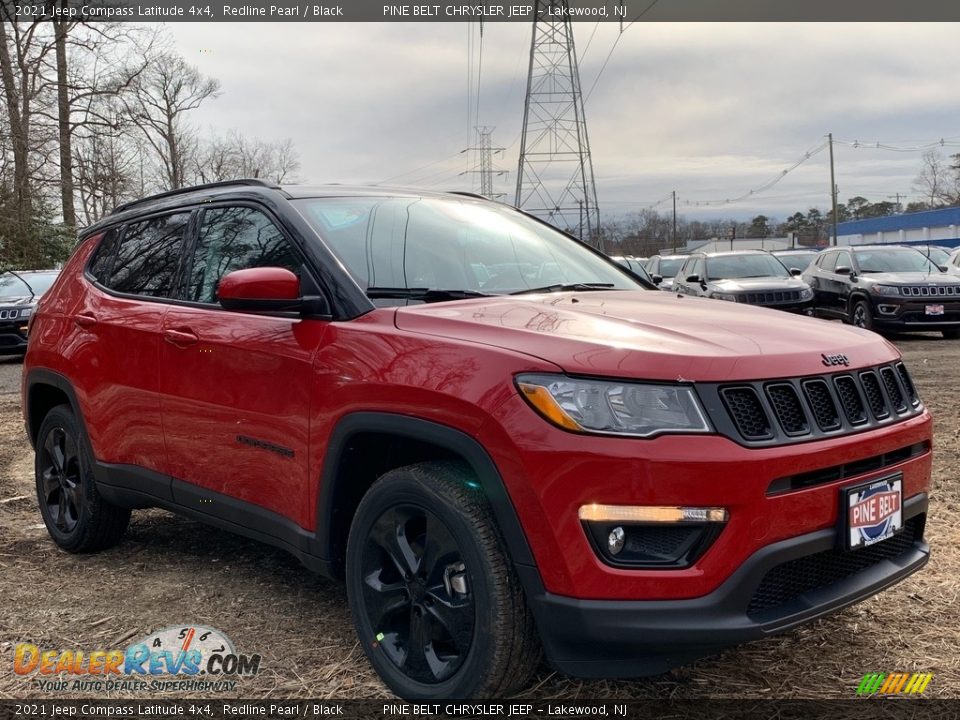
[{"x": 493, "y": 433}]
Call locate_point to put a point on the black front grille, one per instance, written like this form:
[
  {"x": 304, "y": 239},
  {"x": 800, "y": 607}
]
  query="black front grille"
[
  {"x": 794, "y": 578},
  {"x": 928, "y": 291},
  {"x": 850, "y": 400},
  {"x": 875, "y": 399},
  {"x": 893, "y": 389},
  {"x": 747, "y": 412},
  {"x": 769, "y": 412},
  {"x": 821, "y": 402},
  {"x": 786, "y": 406},
  {"x": 908, "y": 383},
  {"x": 772, "y": 297}
]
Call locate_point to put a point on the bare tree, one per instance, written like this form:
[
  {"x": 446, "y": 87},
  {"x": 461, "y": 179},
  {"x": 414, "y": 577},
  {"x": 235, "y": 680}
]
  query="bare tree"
[
  {"x": 235, "y": 156},
  {"x": 937, "y": 180},
  {"x": 161, "y": 97}
]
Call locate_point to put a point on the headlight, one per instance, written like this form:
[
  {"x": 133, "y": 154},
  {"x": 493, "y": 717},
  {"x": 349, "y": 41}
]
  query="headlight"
[
  {"x": 806, "y": 294},
  {"x": 724, "y": 296},
  {"x": 616, "y": 408},
  {"x": 26, "y": 312},
  {"x": 885, "y": 290}
]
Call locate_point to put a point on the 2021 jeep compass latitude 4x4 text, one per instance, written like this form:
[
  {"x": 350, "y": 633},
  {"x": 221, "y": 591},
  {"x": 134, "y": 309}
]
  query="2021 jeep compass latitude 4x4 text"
[{"x": 497, "y": 437}]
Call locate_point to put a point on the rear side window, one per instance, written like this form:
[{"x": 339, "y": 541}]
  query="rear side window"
[
  {"x": 236, "y": 238},
  {"x": 103, "y": 255},
  {"x": 148, "y": 256}
]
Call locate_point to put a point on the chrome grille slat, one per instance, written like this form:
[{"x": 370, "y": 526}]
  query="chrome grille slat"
[{"x": 930, "y": 291}]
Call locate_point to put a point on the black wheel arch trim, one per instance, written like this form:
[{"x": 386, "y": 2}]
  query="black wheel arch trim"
[
  {"x": 455, "y": 441},
  {"x": 42, "y": 376}
]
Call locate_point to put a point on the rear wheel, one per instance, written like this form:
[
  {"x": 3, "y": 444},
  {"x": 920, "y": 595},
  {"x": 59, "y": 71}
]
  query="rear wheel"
[
  {"x": 77, "y": 517},
  {"x": 435, "y": 601},
  {"x": 861, "y": 315}
]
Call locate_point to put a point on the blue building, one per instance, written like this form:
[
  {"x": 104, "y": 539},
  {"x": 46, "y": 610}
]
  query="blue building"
[{"x": 930, "y": 227}]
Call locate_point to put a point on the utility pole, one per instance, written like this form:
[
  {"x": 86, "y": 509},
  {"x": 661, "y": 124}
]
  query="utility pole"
[
  {"x": 833, "y": 192},
  {"x": 483, "y": 166},
  {"x": 555, "y": 173},
  {"x": 674, "y": 193},
  {"x": 897, "y": 196}
]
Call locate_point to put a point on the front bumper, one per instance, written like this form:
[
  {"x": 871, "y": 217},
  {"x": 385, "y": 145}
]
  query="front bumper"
[
  {"x": 628, "y": 638},
  {"x": 13, "y": 338},
  {"x": 910, "y": 314}
]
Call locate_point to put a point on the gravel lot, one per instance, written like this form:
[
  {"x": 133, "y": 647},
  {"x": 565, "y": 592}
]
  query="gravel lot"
[{"x": 170, "y": 571}]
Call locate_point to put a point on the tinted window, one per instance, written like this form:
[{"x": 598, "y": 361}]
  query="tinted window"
[
  {"x": 828, "y": 262},
  {"x": 231, "y": 239},
  {"x": 103, "y": 255},
  {"x": 148, "y": 256},
  {"x": 843, "y": 259}
]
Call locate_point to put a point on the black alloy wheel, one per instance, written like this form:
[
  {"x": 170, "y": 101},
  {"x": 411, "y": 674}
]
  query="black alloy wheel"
[
  {"x": 417, "y": 594},
  {"x": 58, "y": 477}
]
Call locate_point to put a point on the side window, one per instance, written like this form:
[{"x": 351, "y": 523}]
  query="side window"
[
  {"x": 843, "y": 259},
  {"x": 699, "y": 268},
  {"x": 102, "y": 259},
  {"x": 828, "y": 262},
  {"x": 686, "y": 270},
  {"x": 235, "y": 238},
  {"x": 149, "y": 254}
]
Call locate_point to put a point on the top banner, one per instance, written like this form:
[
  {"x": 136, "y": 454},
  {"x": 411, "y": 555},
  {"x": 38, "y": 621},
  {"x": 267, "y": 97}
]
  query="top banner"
[{"x": 624, "y": 11}]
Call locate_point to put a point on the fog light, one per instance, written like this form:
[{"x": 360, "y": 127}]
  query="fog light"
[
  {"x": 615, "y": 540},
  {"x": 887, "y": 309}
]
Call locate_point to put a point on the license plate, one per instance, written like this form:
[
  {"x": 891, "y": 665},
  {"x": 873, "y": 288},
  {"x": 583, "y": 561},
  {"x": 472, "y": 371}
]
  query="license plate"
[
  {"x": 933, "y": 309},
  {"x": 874, "y": 511}
]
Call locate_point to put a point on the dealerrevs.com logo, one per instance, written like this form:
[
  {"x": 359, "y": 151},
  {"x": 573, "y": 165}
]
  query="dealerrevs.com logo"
[{"x": 200, "y": 658}]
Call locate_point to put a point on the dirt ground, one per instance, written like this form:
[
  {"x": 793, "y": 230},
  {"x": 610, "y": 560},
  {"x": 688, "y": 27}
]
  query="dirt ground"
[{"x": 170, "y": 570}]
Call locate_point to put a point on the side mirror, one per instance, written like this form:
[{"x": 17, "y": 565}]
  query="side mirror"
[
  {"x": 657, "y": 279},
  {"x": 796, "y": 271},
  {"x": 263, "y": 289},
  {"x": 693, "y": 278},
  {"x": 943, "y": 268},
  {"x": 843, "y": 270}
]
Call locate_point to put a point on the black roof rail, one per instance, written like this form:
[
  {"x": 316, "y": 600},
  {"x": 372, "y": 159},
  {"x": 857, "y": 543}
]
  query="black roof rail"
[
  {"x": 256, "y": 182},
  {"x": 474, "y": 195}
]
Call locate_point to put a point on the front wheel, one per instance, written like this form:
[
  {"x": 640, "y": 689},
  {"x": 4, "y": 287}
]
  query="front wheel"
[
  {"x": 435, "y": 600},
  {"x": 77, "y": 517},
  {"x": 861, "y": 316}
]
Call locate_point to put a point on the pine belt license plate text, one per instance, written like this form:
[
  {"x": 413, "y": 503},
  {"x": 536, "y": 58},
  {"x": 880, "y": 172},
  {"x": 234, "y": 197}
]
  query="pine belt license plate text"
[
  {"x": 934, "y": 309},
  {"x": 874, "y": 511}
]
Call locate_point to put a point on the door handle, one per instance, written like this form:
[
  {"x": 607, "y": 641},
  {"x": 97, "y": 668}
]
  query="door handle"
[
  {"x": 180, "y": 338},
  {"x": 85, "y": 320}
]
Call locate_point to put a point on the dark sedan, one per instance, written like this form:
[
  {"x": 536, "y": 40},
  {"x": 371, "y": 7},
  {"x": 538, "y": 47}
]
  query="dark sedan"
[{"x": 750, "y": 277}]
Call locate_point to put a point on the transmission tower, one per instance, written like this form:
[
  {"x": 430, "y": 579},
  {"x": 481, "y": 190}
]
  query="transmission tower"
[
  {"x": 483, "y": 165},
  {"x": 555, "y": 174}
]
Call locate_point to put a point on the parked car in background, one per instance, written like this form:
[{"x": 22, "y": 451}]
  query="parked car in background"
[
  {"x": 663, "y": 269},
  {"x": 752, "y": 277},
  {"x": 19, "y": 293},
  {"x": 796, "y": 259},
  {"x": 635, "y": 266},
  {"x": 885, "y": 287},
  {"x": 938, "y": 254},
  {"x": 953, "y": 262}
]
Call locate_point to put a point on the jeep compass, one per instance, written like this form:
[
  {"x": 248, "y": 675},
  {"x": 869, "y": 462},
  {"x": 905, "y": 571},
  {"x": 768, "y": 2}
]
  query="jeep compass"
[{"x": 500, "y": 441}]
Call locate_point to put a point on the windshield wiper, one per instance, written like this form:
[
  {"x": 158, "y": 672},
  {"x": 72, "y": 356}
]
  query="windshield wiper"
[
  {"x": 17, "y": 276},
  {"x": 425, "y": 294},
  {"x": 565, "y": 287}
]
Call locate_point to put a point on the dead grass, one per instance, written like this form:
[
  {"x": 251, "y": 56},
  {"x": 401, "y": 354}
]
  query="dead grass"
[{"x": 171, "y": 570}]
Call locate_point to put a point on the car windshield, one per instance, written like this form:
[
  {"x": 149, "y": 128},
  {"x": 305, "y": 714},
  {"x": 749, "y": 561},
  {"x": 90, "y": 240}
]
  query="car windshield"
[
  {"x": 13, "y": 286},
  {"x": 798, "y": 261},
  {"x": 669, "y": 267},
  {"x": 728, "y": 267},
  {"x": 894, "y": 260},
  {"x": 417, "y": 243}
]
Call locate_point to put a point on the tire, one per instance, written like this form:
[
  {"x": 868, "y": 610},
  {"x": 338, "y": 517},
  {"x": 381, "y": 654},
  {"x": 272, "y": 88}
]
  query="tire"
[
  {"x": 425, "y": 558},
  {"x": 861, "y": 315},
  {"x": 951, "y": 334},
  {"x": 78, "y": 519}
]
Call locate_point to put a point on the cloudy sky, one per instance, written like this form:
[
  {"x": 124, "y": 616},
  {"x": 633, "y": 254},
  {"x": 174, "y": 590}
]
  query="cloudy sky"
[{"x": 710, "y": 110}]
